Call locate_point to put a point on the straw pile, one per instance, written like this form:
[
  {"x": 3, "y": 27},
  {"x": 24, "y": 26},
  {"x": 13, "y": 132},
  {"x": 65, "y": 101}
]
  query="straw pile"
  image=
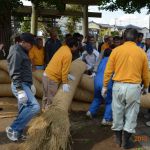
[{"x": 51, "y": 129}]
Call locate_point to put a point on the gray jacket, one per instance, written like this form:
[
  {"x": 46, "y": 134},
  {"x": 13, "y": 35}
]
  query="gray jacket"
[{"x": 19, "y": 66}]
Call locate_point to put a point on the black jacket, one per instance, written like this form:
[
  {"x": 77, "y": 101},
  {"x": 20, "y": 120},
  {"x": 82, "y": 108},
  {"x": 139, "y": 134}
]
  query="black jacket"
[
  {"x": 51, "y": 47},
  {"x": 19, "y": 66}
]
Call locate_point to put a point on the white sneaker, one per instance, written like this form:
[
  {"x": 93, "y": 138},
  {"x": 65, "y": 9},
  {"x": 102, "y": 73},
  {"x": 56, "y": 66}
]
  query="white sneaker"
[
  {"x": 105, "y": 122},
  {"x": 11, "y": 134},
  {"x": 89, "y": 115},
  {"x": 148, "y": 123}
]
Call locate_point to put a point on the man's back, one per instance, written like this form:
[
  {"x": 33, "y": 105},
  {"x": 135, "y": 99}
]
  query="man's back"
[{"x": 129, "y": 63}]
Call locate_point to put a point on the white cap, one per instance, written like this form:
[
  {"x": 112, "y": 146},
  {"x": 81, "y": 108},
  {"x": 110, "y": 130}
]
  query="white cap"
[{"x": 147, "y": 35}]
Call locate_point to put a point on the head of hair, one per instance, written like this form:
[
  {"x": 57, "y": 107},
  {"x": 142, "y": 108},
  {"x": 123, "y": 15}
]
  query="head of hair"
[
  {"x": 76, "y": 36},
  {"x": 140, "y": 35},
  {"x": 106, "y": 38},
  {"x": 71, "y": 42},
  {"x": 107, "y": 52},
  {"x": 27, "y": 37},
  {"x": 39, "y": 39},
  {"x": 116, "y": 38},
  {"x": 67, "y": 36},
  {"x": 17, "y": 39},
  {"x": 130, "y": 34}
]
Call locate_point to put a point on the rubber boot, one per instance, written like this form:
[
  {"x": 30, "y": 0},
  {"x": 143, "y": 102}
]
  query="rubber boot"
[
  {"x": 127, "y": 143},
  {"x": 118, "y": 135}
]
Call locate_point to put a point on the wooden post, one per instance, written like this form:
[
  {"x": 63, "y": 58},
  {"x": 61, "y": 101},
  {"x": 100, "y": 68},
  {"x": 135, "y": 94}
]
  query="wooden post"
[
  {"x": 85, "y": 20},
  {"x": 34, "y": 19}
]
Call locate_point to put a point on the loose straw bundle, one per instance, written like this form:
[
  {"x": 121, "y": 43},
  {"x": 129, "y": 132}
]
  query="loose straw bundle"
[{"x": 51, "y": 131}]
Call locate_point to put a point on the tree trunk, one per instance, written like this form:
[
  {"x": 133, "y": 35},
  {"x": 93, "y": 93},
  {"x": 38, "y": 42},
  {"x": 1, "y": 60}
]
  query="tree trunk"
[
  {"x": 34, "y": 19},
  {"x": 5, "y": 26}
]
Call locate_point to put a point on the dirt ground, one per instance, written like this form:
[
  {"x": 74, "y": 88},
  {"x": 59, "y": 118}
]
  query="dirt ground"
[{"x": 86, "y": 134}]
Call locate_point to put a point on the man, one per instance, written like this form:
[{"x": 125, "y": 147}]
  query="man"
[
  {"x": 129, "y": 65},
  {"x": 147, "y": 50},
  {"x": 36, "y": 55},
  {"x": 51, "y": 46},
  {"x": 147, "y": 47},
  {"x": 57, "y": 71},
  {"x": 139, "y": 40},
  {"x": 2, "y": 51},
  {"x": 21, "y": 76},
  {"x": 98, "y": 84},
  {"x": 90, "y": 57},
  {"x": 106, "y": 43},
  {"x": 80, "y": 49}
]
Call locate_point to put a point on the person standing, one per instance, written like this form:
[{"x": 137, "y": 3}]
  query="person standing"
[
  {"x": 139, "y": 40},
  {"x": 2, "y": 51},
  {"x": 19, "y": 67},
  {"x": 98, "y": 84},
  {"x": 36, "y": 55},
  {"x": 129, "y": 65},
  {"x": 51, "y": 46},
  {"x": 90, "y": 57},
  {"x": 57, "y": 71}
]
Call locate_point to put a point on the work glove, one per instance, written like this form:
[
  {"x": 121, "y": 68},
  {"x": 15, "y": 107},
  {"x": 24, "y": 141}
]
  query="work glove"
[
  {"x": 71, "y": 77},
  {"x": 22, "y": 97},
  {"x": 104, "y": 92},
  {"x": 93, "y": 75},
  {"x": 33, "y": 89},
  {"x": 66, "y": 87},
  {"x": 144, "y": 91}
]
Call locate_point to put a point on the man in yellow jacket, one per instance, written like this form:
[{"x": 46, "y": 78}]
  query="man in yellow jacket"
[
  {"x": 129, "y": 66},
  {"x": 57, "y": 71},
  {"x": 36, "y": 55}
]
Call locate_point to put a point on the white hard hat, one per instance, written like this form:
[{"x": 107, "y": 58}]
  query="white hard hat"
[{"x": 147, "y": 35}]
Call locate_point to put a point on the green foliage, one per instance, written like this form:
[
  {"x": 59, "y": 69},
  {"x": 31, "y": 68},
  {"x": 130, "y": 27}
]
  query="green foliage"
[
  {"x": 72, "y": 21},
  {"x": 114, "y": 33},
  {"x": 47, "y": 3},
  {"x": 128, "y": 6},
  {"x": 25, "y": 25}
]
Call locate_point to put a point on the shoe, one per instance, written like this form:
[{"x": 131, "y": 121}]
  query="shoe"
[
  {"x": 11, "y": 134},
  {"x": 127, "y": 143},
  {"x": 89, "y": 115},
  {"x": 105, "y": 122},
  {"x": 148, "y": 123},
  {"x": 118, "y": 135}
]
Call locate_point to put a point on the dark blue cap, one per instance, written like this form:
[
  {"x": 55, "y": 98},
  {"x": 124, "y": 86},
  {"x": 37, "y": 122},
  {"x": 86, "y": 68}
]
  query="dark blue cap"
[
  {"x": 89, "y": 48},
  {"x": 27, "y": 37}
]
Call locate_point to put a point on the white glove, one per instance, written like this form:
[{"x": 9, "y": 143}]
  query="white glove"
[
  {"x": 93, "y": 75},
  {"x": 71, "y": 77},
  {"x": 144, "y": 91},
  {"x": 33, "y": 89},
  {"x": 66, "y": 87},
  {"x": 22, "y": 97},
  {"x": 104, "y": 92},
  {"x": 88, "y": 67}
]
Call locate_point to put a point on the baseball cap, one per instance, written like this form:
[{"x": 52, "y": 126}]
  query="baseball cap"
[
  {"x": 147, "y": 35},
  {"x": 89, "y": 48},
  {"x": 27, "y": 37}
]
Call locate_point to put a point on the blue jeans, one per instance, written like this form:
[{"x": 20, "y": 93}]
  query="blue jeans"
[
  {"x": 26, "y": 112},
  {"x": 39, "y": 67}
]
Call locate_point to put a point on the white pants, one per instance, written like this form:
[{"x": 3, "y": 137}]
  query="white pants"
[{"x": 125, "y": 106}]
